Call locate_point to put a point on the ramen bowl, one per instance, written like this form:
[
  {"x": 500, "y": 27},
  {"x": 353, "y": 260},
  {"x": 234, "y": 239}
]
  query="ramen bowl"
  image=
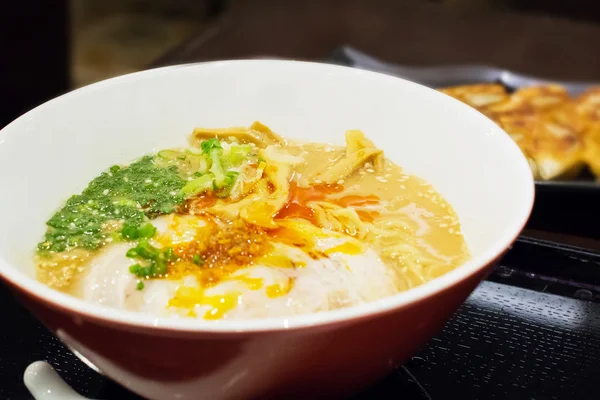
[{"x": 55, "y": 149}]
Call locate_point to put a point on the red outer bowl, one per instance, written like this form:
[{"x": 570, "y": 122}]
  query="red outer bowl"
[
  {"x": 328, "y": 361},
  {"x": 469, "y": 159}
]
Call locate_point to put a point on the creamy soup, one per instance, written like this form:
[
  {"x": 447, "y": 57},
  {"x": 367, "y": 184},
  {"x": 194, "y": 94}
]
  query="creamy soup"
[{"x": 246, "y": 224}]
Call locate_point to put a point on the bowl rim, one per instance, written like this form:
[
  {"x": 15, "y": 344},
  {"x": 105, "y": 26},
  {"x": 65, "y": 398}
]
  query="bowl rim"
[{"x": 78, "y": 308}]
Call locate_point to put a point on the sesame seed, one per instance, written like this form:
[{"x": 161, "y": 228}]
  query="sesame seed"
[
  {"x": 371, "y": 170},
  {"x": 105, "y": 192},
  {"x": 317, "y": 181},
  {"x": 340, "y": 182},
  {"x": 380, "y": 179},
  {"x": 402, "y": 187}
]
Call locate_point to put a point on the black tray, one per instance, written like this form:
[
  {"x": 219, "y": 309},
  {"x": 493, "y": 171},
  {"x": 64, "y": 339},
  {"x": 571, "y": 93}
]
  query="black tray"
[
  {"x": 449, "y": 75},
  {"x": 561, "y": 206},
  {"x": 532, "y": 331}
]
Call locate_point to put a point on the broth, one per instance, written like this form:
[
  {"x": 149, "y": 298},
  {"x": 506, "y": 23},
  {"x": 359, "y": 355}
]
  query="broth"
[{"x": 246, "y": 224}]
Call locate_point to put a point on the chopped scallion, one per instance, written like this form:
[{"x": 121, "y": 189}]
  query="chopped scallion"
[
  {"x": 210, "y": 144},
  {"x": 196, "y": 259}
]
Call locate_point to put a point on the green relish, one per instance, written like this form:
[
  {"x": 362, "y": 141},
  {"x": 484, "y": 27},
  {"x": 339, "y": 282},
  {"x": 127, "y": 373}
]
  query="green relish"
[
  {"x": 128, "y": 195},
  {"x": 117, "y": 205}
]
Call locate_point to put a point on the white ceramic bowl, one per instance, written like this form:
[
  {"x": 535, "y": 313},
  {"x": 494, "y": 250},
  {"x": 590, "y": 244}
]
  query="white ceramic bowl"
[{"x": 57, "y": 148}]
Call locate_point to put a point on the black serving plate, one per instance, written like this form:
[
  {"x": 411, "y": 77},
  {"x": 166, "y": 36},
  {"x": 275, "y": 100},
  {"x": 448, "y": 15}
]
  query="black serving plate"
[
  {"x": 531, "y": 331},
  {"x": 570, "y": 207}
]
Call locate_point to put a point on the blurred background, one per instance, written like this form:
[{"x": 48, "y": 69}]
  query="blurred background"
[
  {"x": 50, "y": 47},
  {"x": 493, "y": 349}
]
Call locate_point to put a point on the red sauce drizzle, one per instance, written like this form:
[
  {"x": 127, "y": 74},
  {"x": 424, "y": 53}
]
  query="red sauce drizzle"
[
  {"x": 299, "y": 197},
  {"x": 296, "y": 205},
  {"x": 357, "y": 201},
  {"x": 198, "y": 204}
]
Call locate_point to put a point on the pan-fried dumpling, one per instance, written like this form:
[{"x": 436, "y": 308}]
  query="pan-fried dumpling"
[{"x": 545, "y": 123}]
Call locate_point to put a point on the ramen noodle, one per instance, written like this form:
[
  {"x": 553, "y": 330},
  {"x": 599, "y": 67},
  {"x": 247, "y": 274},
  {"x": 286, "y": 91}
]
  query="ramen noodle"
[{"x": 243, "y": 223}]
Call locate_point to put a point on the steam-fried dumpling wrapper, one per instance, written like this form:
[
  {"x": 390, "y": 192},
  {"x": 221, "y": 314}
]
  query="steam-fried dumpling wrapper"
[
  {"x": 588, "y": 105},
  {"x": 543, "y": 122},
  {"x": 551, "y": 142},
  {"x": 592, "y": 149},
  {"x": 527, "y": 103},
  {"x": 567, "y": 115},
  {"x": 257, "y": 133},
  {"x": 530, "y": 100},
  {"x": 520, "y": 129},
  {"x": 477, "y": 96},
  {"x": 543, "y": 97},
  {"x": 557, "y": 150},
  {"x": 547, "y": 125}
]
